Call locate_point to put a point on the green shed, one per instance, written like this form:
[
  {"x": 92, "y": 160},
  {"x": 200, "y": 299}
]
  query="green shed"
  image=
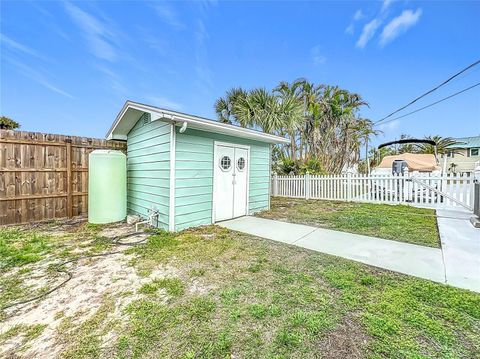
[{"x": 192, "y": 171}]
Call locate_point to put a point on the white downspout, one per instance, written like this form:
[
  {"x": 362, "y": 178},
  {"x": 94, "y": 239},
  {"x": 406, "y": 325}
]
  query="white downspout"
[
  {"x": 171, "y": 213},
  {"x": 184, "y": 127}
]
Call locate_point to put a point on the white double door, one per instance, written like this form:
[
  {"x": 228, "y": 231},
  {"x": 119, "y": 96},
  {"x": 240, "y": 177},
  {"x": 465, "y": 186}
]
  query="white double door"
[{"x": 230, "y": 181}]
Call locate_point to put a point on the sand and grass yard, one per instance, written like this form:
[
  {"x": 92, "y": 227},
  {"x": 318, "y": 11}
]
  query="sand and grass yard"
[
  {"x": 213, "y": 293},
  {"x": 396, "y": 222}
]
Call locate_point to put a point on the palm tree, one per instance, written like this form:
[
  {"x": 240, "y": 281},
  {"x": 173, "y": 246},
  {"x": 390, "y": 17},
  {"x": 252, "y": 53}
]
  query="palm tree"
[
  {"x": 301, "y": 94},
  {"x": 224, "y": 105},
  {"x": 321, "y": 121},
  {"x": 258, "y": 109},
  {"x": 365, "y": 129},
  {"x": 443, "y": 145},
  {"x": 277, "y": 112}
]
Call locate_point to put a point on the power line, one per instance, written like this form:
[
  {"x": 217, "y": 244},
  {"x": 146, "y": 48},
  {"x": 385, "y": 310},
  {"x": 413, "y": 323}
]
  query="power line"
[
  {"x": 429, "y": 92},
  {"x": 432, "y": 104}
]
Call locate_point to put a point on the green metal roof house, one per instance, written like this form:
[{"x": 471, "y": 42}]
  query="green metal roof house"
[
  {"x": 466, "y": 142},
  {"x": 192, "y": 170},
  {"x": 464, "y": 156}
]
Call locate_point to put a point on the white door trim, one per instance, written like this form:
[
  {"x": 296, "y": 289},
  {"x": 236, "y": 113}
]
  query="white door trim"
[
  {"x": 229, "y": 144},
  {"x": 214, "y": 196}
]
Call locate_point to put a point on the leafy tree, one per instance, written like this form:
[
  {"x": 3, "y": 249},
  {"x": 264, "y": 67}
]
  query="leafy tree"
[
  {"x": 263, "y": 110},
  {"x": 378, "y": 155},
  {"x": 443, "y": 145},
  {"x": 321, "y": 121},
  {"x": 366, "y": 130},
  {"x": 288, "y": 166},
  {"x": 8, "y": 124},
  {"x": 224, "y": 106},
  {"x": 312, "y": 166},
  {"x": 406, "y": 147}
]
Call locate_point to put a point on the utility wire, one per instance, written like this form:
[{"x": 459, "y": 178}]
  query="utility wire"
[
  {"x": 430, "y": 105},
  {"x": 429, "y": 92}
]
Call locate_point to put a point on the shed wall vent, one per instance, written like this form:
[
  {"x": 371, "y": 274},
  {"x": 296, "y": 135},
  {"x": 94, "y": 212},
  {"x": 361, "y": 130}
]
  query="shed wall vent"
[{"x": 145, "y": 118}]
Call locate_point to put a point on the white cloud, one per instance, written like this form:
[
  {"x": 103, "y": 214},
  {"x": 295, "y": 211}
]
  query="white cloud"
[
  {"x": 386, "y": 4},
  {"x": 389, "y": 126},
  {"x": 367, "y": 33},
  {"x": 99, "y": 37},
  {"x": 164, "y": 102},
  {"x": 317, "y": 56},
  {"x": 202, "y": 68},
  {"x": 18, "y": 47},
  {"x": 399, "y": 25},
  {"x": 113, "y": 81},
  {"x": 206, "y": 5},
  {"x": 169, "y": 16},
  {"x": 37, "y": 76},
  {"x": 358, "y": 15},
  {"x": 350, "y": 29}
]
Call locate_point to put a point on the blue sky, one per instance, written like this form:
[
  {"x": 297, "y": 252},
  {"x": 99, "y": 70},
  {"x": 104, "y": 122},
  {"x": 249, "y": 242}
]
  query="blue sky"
[{"x": 68, "y": 67}]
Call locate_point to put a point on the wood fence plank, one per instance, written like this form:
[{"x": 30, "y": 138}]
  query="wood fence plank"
[{"x": 34, "y": 175}]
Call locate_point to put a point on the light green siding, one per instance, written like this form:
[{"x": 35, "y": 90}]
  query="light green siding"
[
  {"x": 194, "y": 176},
  {"x": 148, "y": 173},
  {"x": 148, "y": 169}
]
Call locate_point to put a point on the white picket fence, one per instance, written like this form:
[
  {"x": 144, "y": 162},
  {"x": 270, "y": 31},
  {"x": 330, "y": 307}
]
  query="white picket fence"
[{"x": 421, "y": 189}]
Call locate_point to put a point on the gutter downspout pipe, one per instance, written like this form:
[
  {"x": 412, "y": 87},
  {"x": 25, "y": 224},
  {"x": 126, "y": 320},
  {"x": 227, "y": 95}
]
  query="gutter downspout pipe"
[{"x": 184, "y": 127}]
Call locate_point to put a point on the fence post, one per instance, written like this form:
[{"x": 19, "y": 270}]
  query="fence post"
[
  {"x": 68, "y": 148},
  {"x": 275, "y": 184},
  {"x": 307, "y": 185},
  {"x": 406, "y": 186},
  {"x": 349, "y": 186}
]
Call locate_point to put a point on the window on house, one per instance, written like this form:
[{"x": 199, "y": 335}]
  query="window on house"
[
  {"x": 225, "y": 163},
  {"x": 241, "y": 163},
  {"x": 474, "y": 151}
]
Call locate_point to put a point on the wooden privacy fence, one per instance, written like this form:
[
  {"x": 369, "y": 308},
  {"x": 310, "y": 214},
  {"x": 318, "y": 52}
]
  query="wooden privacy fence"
[
  {"x": 422, "y": 189},
  {"x": 45, "y": 176}
]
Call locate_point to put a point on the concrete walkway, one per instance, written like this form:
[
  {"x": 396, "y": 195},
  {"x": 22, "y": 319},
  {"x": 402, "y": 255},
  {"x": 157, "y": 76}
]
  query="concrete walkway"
[
  {"x": 411, "y": 259},
  {"x": 461, "y": 248}
]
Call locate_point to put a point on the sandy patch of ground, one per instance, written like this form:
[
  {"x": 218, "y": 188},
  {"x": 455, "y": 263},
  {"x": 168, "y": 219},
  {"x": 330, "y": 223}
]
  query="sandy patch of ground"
[{"x": 94, "y": 279}]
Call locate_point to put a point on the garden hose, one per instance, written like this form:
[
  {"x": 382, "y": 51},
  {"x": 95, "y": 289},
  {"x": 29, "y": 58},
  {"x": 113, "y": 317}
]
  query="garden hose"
[{"x": 59, "y": 268}]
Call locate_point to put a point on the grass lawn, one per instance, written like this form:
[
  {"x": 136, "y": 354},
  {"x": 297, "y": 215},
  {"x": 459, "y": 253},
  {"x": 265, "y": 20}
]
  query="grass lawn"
[
  {"x": 396, "y": 222},
  {"x": 214, "y": 293}
]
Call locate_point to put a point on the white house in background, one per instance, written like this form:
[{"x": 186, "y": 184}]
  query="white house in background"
[{"x": 464, "y": 156}]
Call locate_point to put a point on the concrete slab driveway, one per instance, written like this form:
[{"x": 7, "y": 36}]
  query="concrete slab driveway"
[
  {"x": 461, "y": 248},
  {"x": 411, "y": 259}
]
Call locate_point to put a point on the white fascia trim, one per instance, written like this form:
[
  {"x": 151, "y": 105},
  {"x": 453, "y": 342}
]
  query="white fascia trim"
[
  {"x": 109, "y": 135},
  {"x": 200, "y": 122},
  {"x": 171, "y": 213}
]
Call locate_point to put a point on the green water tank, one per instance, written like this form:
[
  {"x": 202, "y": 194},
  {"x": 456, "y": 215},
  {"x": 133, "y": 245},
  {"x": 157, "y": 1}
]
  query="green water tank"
[{"x": 107, "y": 186}]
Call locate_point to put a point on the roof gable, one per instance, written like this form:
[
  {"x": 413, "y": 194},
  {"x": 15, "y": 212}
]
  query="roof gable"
[{"x": 132, "y": 111}]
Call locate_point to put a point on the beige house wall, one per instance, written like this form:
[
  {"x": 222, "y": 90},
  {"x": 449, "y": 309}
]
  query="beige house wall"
[{"x": 463, "y": 162}]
